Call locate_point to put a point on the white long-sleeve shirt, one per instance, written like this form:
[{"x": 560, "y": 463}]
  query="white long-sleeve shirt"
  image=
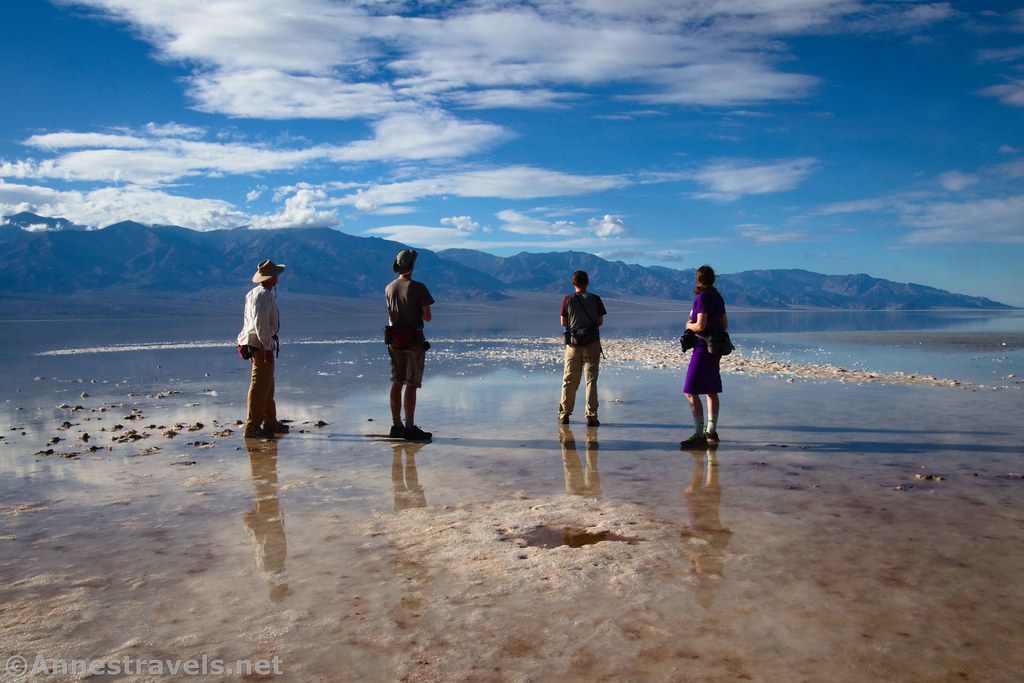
[{"x": 261, "y": 320}]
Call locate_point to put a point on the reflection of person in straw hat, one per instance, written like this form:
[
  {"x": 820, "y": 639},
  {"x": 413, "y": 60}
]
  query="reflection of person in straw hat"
[
  {"x": 265, "y": 522},
  {"x": 258, "y": 340}
]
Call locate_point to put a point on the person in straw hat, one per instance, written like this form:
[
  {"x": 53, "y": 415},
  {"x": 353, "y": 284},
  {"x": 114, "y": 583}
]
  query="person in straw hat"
[{"x": 258, "y": 340}]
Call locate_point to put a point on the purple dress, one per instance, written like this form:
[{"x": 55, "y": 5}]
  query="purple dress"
[{"x": 703, "y": 375}]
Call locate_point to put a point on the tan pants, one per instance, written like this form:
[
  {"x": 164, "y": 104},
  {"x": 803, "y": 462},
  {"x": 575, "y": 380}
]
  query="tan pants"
[
  {"x": 580, "y": 361},
  {"x": 260, "y": 407}
]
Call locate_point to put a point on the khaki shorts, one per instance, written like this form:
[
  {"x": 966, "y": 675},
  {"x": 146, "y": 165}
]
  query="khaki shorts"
[{"x": 407, "y": 365}]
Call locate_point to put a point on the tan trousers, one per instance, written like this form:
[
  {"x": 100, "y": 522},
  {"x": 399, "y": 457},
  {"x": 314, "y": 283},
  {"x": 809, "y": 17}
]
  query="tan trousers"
[
  {"x": 580, "y": 361},
  {"x": 260, "y": 407}
]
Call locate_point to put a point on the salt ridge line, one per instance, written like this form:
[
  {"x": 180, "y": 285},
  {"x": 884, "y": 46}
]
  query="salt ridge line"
[{"x": 640, "y": 352}]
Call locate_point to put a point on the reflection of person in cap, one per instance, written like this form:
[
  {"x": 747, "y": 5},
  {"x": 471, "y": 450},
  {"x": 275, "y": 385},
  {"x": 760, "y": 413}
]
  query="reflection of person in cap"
[
  {"x": 577, "y": 481},
  {"x": 258, "y": 339},
  {"x": 703, "y": 498},
  {"x": 408, "y": 492},
  {"x": 409, "y": 304},
  {"x": 265, "y": 522}
]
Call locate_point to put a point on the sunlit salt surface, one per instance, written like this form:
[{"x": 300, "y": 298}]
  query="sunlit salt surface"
[{"x": 843, "y": 530}]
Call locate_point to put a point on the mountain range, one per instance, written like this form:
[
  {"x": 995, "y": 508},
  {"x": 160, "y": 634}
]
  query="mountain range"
[{"x": 131, "y": 268}]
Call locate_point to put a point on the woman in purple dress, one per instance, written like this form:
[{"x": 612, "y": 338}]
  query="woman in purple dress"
[{"x": 703, "y": 377}]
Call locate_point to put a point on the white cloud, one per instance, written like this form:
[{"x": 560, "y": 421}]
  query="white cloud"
[
  {"x": 762, "y": 234},
  {"x": 300, "y": 211},
  {"x": 609, "y": 226},
  {"x": 1011, "y": 92},
  {"x": 144, "y": 205},
  {"x": 463, "y": 223},
  {"x": 997, "y": 220},
  {"x": 343, "y": 60},
  {"x": 512, "y": 182},
  {"x": 426, "y": 135},
  {"x": 513, "y": 221},
  {"x": 729, "y": 180},
  {"x": 954, "y": 181}
]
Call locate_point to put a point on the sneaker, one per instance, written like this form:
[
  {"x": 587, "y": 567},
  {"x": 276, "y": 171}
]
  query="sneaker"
[
  {"x": 397, "y": 432},
  {"x": 696, "y": 440},
  {"x": 564, "y": 419},
  {"x": 592, "y": 421},
  {"x": 278, "y": 428},
  {"x": 258, "y": 434},
  {"x": 414, "y": 433},
  {"x": 712, "y": 437}
]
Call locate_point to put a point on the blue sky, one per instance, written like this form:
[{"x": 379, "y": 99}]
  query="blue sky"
[{"x": 839, "y": 136}]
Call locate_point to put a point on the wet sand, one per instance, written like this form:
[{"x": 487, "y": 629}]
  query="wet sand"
[{"x": 848, "y": 528}]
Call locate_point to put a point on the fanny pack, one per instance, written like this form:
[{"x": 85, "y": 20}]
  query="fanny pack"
[{"x": 402, "y": 338}]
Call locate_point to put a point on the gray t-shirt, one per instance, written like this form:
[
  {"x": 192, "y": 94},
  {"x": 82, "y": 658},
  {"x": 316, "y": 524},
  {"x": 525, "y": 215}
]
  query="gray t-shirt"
[{"x": 406, "y": 299}]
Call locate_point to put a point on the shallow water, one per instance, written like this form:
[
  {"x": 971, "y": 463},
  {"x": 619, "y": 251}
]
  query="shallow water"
[{"x": 839, "y": 532}]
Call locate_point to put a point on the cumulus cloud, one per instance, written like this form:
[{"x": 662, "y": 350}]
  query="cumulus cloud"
[
  {"x": 95, "y": 208},
  {"x": 730, "y": 180},
  {"x": 300, "y": 211},
  {"x": 609, "y": 226},
  {"x": 463, "y": 223}
]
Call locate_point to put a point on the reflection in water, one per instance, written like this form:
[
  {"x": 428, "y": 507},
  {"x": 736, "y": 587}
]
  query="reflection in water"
[
  {"x": 265, "y": 522},
  {"x": 408, "y": 492},
  {"x": 580, "y": 482},
  {"x": 703, "y": 498},
  {"x": 408, "y": 572}
]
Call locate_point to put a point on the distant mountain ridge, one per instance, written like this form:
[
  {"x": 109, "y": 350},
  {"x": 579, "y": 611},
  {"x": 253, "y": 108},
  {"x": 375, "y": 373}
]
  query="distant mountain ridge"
[{"x": 63, "y": 269}]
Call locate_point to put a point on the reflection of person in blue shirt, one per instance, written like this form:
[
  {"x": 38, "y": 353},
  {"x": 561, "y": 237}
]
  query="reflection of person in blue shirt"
[
  {"x": 265, "y": 521},
  {"x": 703, "y": 498},
  {"x": 577, "y": 481}
]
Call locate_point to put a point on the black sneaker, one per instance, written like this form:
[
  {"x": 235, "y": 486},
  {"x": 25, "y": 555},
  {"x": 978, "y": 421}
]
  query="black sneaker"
[
  {"x": 397, "y": 432},
  {"x": 414, "y": 433},
  {"x": 564, "y": 419},
  {"x": 696, "y": 440},
  {"x": 258, "y": 434},
  {"x": 711, "y": 437},
  {"x": 592, "y": 421},
  {"x": 277, "y": 428}
]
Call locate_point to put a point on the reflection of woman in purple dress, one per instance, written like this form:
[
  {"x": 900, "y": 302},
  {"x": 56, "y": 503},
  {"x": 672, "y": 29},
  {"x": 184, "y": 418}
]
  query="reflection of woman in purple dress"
[{"x": 703, "y": 377}]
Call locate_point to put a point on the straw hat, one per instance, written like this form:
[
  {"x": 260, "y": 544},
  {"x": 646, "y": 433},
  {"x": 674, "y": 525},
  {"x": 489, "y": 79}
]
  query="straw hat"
[{"x": 266, "y": 270}]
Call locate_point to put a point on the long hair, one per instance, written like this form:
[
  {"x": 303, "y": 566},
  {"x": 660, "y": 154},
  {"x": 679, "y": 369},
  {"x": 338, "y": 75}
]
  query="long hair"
[{"x": 705, "y": 279}]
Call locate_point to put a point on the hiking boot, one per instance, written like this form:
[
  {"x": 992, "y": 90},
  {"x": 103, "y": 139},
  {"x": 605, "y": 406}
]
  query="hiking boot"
[
  {"x": 258, "y": 434},
  {"x": 397, "y": 432},
  {"x": 414, "y": 433},
  {"x": 592, "y": 421},
  {"x": 278, "y": 428},
  {"x": 696, "y": 440},
  {"x": 712, "y": 437},
  {"x": 563, "y": 419}
]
